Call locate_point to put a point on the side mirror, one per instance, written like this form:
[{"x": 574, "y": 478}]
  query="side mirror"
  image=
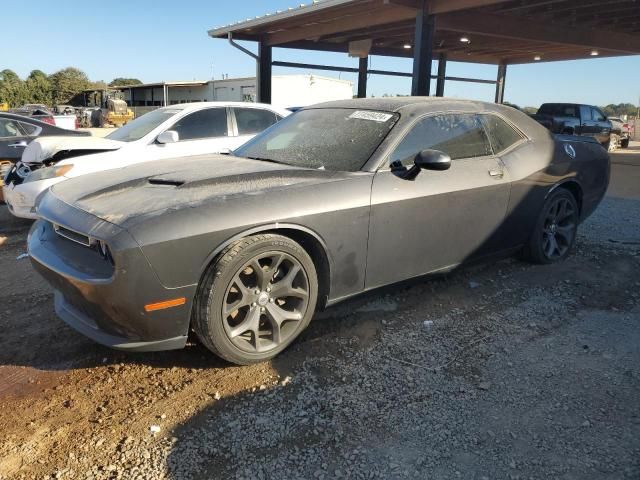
[
  {"x": 168, "y": 136},
  {"x": 425, "y": 160},
  {"x": 432, "y": 160}
]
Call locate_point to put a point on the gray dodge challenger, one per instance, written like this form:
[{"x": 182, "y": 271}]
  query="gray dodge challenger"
[{"x": 335, "y": 200}]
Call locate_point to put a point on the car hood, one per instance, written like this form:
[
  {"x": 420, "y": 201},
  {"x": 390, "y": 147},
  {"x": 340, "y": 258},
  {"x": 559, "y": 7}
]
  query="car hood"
[
  {"x": 125, "y": 196},
  {"x": 54, "y": 149}
]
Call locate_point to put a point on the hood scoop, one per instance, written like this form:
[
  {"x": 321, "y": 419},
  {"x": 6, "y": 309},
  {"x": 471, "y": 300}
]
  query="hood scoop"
[{"x": 165, "y": 182}]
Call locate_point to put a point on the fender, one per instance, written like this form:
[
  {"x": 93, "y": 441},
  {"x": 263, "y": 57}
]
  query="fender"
[
  {"x": 269, "y": 227},
  {"x": 575, "y": 187}
]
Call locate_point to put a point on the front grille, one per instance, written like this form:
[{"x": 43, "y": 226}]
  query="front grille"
[{"x": 73, "y": 236}]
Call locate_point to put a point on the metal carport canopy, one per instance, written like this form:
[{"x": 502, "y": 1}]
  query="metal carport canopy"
[{"x": 500, "y": 32}]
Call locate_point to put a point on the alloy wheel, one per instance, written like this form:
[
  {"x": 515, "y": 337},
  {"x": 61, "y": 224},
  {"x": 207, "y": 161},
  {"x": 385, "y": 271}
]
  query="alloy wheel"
[
  {"x": 559, "y": 228},
  {"x": 265, "y": 302}
]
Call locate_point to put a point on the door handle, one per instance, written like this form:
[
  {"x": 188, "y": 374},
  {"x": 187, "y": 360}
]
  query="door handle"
[
  {"x": 496, "y": 173},
  {"x": 18, "y": 144}
]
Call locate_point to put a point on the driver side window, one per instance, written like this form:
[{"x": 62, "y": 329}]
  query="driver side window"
[
  {"x": 203, "y": 124},
  {"x": 458, "y": 135}
]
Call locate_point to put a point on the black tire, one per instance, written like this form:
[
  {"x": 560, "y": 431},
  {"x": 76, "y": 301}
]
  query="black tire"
[
  {"x": 219, "y": 323},
  {"x": 557, "y": 225},
  {"x": 624, "y": 143}
]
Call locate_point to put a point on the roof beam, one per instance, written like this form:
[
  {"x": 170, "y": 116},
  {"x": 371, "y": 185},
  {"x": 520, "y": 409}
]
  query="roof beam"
[
  {"x": 381, "y": 16},
  {"x": 502, "y": 26},
  {"x": 444, "y": 6}
]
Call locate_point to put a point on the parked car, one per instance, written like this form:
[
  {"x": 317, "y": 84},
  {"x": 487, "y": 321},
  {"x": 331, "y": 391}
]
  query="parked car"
[
  {"x": 620, "y": 133},
  {"x": 175, "y": 131},
  {"x": 335, "y": 200},
  {"x": 16, "y": 132},
  {"x": 575, "y": 119},
  {"x": 35, "y": 111}
]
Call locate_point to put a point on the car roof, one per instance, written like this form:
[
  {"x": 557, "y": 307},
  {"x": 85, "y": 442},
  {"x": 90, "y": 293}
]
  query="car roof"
[
  {"x": 22, "y": 118},
  {"x": 410, "y": 104},
  {"x": 200, "y": 105}
]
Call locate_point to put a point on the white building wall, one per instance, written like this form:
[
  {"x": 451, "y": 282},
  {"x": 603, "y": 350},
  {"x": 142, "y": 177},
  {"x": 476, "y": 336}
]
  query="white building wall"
[
  {"x": 302, "y": 90},
  {"x": 287, "y": 91}
]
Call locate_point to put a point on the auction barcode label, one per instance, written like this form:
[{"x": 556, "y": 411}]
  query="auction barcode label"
[{"x": 369, "y": 115}]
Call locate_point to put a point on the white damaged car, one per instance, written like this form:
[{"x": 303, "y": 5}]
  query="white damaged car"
[{"x": 174, "y": 131}]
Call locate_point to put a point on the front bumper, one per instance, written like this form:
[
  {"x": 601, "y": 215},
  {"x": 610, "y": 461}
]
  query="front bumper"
[
  {"x": 21, "y": 199},
  {"x": 105, "y": 300}
]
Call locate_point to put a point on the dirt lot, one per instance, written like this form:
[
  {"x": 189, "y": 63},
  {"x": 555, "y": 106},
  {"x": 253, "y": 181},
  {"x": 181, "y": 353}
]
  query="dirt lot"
[{"x": 498, "y": 371}]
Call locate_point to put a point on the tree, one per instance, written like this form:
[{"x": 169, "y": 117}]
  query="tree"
[
  {"x": 120, "y": 81},
  {"x": 12, "y": 88},
  {"x": 67, "y": 83},
  {"x": 98, "y": 85},
  {"x": 38, "y": 88},
  {"x": 620, "y": 109}
]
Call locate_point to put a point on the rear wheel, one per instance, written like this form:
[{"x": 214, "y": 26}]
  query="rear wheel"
[
  {"x": 613, "y": 142},
  {"x": 256, "y": 299},
  {"x": 555, "y": 230},
  {"x": 624, "y": 143}
]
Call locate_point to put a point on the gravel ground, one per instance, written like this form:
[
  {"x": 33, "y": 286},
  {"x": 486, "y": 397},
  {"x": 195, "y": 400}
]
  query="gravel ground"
[{"x": 499, "y": 371}]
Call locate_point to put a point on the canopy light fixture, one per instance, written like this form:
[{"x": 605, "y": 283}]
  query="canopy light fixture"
[
  {"x": 595, "y": 53},
  {"x": 407, "y": 46},
  {"x": 537, "y": 58},
  {"x": 465, "y": 40}
]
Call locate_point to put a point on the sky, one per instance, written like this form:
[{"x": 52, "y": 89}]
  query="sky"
[{"x": 156, "y": 40}]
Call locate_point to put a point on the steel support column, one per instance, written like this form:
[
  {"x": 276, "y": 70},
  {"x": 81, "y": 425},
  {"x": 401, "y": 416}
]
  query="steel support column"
[
  {"x": 442, "y": 74},
  {"x": 422, "y": 51},
  {"x": 263, "y": 74},
  {"x": 500, "y": 81},
  {"x": 362, "y": 77}
]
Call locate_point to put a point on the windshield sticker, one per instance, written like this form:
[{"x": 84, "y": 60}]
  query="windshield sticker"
[{"x": 374, "y": 116}]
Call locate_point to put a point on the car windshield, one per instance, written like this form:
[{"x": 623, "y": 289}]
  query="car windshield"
[
  {"x": 139, "y": 127},
  {"x": 336, "y": 139}
]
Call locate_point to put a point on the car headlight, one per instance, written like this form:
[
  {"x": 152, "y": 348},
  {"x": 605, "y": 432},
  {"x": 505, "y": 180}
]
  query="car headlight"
[{"x": 46, "y": 173}]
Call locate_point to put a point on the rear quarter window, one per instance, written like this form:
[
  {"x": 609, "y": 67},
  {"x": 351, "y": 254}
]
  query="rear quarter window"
[{"x": 500, "y": 133}]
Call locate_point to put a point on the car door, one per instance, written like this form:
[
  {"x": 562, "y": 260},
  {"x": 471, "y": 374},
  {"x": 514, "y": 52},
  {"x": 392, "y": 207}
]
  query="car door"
[
  {"x": 200, "y": 132},
  {"x": 587, "y": 125},
  {"x": 441, "y": 218},
  {"x": 13, "y": 140},
  {"x": 601, "y": 126},
  {"x": 251, "y": 121}
]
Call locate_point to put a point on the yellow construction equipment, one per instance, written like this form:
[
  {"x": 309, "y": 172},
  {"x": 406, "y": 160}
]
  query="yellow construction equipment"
[{"x": 112, "y": 109}]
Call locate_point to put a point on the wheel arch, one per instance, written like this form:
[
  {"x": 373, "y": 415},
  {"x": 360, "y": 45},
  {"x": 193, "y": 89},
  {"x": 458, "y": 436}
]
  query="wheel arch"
[
  {"x": 310, "y": 240},
  {"x": 574, "y": 187}
]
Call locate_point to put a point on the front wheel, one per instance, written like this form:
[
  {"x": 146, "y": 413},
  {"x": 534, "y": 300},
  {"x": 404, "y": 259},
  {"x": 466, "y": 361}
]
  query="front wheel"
[
  {"x": 256, "y": 299},
  {"x": 555, "y": 230}
]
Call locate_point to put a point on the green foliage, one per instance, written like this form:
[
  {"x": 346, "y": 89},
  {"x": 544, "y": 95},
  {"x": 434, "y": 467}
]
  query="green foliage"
[
  {"x": 620, "y": 109},
  {"x": 67, "y": 83},
  {"x": 98, "y": 85},
  {"x": 120, "y": 81},
  {"x": 38, "y": 88},
  {"x": 12, "y": 89},
  {"x": 56, "y": 89}
]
